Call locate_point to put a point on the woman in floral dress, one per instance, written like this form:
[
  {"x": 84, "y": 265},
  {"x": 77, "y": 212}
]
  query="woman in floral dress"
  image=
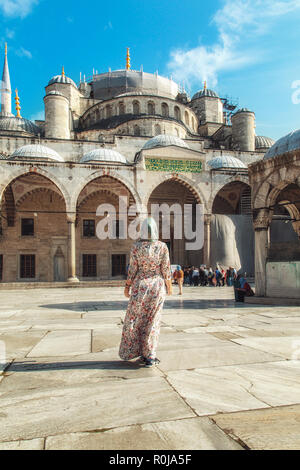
[{"x": 149, "y": 276}]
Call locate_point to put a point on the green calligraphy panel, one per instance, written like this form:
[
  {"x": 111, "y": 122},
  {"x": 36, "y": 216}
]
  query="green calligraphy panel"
[{"x": 177, "y": 166}]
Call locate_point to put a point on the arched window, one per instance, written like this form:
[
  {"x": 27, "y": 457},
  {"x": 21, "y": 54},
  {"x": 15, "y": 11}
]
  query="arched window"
[
  {"x": 97, "y": 115},
  {"x": 121, "y": 109},
  {"x": 136, "y": 130},
  {"x": 165, "y": 110},
  {"x": 108, "y": 111},
  {"x": 136, "y": 107},
  {"x": 177, "y": 113},
  {"x": 157, "y": 129},
  {"x": 151, "y": 108},
  {"x": 186, "y": 118},
  {"x": 193, "y": 123},
  {"x": 101, "y": 113}
]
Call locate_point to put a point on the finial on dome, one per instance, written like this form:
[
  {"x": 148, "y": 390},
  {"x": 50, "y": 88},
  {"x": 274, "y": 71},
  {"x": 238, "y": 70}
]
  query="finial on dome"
[
  {"x": 205, "y": 85},
  {"x": 6, "y": 48},
  {"x": 63, "y": 71},
  {"x": 128, "y": 59},
  {"x": 18, "y": 107}
]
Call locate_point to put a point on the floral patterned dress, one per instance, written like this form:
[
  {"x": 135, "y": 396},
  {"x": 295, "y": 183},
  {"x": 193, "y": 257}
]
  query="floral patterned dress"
[{"x": 148, "y": 269}]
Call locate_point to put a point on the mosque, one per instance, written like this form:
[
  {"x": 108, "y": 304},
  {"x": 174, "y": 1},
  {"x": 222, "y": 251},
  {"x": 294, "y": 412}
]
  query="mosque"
[{"x": 133, "y": 134}]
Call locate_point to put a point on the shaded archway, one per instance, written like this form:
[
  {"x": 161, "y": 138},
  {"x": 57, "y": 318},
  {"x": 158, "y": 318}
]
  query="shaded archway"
[
  {"x": 285, "y": 224},
  {"x": 34, "y": 228},
  {"x": 232, "y": 234},
  {"x": 102, "y": 258},
  {"x": 170, "y": 192}
]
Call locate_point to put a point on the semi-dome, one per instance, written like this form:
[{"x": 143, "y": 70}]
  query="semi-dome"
[
  {"x": 62, "y": 79},
  {"x": 262, "y": 142},
  {"x": 164, "y": 140},
  {"x": 111, "y": 84},
  {"x": 205, "y": 92},
  {"x": 36, "y": 151},
  {"x": 15, "y": 124},
  {"x": 288, "y": 143},
  {"x": 103, "y": 155},
  {"x": 226, "y": 161}
]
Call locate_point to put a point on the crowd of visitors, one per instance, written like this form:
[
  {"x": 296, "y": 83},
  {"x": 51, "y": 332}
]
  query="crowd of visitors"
[
  {"x": 204, "y": 276},
  {"x": 218, "y": 277}
]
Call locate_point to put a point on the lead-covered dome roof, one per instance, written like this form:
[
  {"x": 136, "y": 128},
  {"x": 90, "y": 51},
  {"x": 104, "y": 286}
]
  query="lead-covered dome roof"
[
  {"x": 164, "y": 140},
  {"x": 226, "y": 161},
  {"x": 62, "y": 79},
  {"x": 36, "y": 152},
  {"x": 262, "y": 142},
  {"x": 103, "y": 155},
  {"x": 15, "y": 124},
  {"x": 205, "y": 92},
  {"x": 288, "y": 143},
  {"x": 111, "y": 84}
]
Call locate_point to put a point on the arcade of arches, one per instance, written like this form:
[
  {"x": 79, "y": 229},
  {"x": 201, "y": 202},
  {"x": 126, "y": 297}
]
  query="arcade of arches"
[{"x": 42, "y": 242}]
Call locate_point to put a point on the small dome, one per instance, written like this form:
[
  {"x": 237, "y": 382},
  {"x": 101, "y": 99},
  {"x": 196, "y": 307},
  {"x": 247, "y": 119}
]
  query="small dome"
[
  {"x": 205, "y": 92},
  {"x": 103, "y": 155},
  {"x": 18, "y": 125},
  {"x": 243, "y": 110},
  {"x": 226, "y": 161},
  {"x": 39, "y": 152},
  {"x": 164, "y": 140},
  {"x": 62, "y": 79},
  {"x": 288, "y": 143},
  {"x": 262, "y": 142}
]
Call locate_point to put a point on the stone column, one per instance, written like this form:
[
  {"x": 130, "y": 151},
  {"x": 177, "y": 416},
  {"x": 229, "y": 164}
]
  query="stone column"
[
  {"x": 206, "y": 247},
  {"x": 71, "y": 218},
  {"x": 261, "y": 227}
]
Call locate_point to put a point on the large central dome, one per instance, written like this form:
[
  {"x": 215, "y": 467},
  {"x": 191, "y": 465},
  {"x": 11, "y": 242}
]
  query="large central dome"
[{"x": 111, "y": 84}]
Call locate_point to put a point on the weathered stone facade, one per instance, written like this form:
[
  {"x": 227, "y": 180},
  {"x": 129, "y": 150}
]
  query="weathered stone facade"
[{"x": 60, "y": 193}]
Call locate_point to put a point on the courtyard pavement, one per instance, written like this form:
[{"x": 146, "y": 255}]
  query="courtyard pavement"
[{"x": 228, "y": 378}]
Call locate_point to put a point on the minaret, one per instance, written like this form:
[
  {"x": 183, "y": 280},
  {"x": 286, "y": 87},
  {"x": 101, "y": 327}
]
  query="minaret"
[{"x": 5, "y": 89}]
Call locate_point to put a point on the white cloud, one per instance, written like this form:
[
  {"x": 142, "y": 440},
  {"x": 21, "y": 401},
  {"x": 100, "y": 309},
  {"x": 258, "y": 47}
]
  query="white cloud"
[
  {"x": 236, "y": 22},
  {"x": 9, "y": 33},
  {"x": 17, "y": 8},
  {"x": 108, "y": 26},
  {"x": 24, "y": 53}
]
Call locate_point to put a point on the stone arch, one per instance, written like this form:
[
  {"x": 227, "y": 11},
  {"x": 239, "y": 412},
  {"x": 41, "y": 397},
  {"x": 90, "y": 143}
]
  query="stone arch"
[
  {"x": 219, "y": 187},
  {"x": 275, "y": 192},
  {"x": 114, "y": 176},
  {"x": 181, "y": 179},
  {"x": 165, "y": 109},
  {"x": 233, "y": 198},
  {"x": 21, "y": 172},
  {"x": 136, "y": 107},
  {"x": 151, "y": 107},
  {"x": 177, "y": 113},
  {"x": 20, "y": 201}
]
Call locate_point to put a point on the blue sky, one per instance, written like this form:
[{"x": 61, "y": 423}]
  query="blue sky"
[{"x": 245, "y": 49}]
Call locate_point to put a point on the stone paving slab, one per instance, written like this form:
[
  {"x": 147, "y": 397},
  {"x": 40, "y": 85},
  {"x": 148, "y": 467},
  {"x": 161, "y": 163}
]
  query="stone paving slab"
[
  {"x": 269, "y": 429},
  {"x": 62, "y": 343},
  {"x": 40, "y": 413},
  {"x": 18, "y": 346},
  {"x": 32, "y": 444},
  {"x": 185, "y": 434},
  {"x": 286, "y": 347},
  {"x": 216, "y": 356},
  {"x": 55, "y": 372},
  {"x": 212, "y": 356},
  {"x": 237, "y": 388}
]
